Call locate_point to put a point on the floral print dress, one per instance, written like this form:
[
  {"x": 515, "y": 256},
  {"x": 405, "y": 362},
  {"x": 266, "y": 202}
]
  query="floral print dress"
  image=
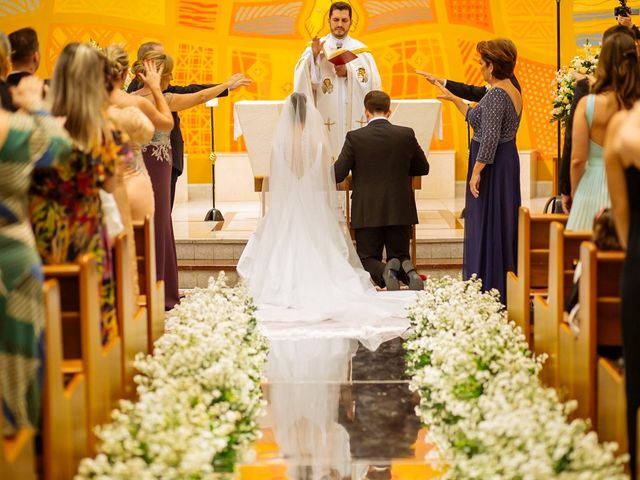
[{"x": 66, "y": 214}]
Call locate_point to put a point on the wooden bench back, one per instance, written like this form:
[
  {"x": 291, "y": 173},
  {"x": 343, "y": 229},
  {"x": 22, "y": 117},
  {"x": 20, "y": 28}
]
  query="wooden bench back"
[
  {"x": 81, "y": 320},
  {"x": 564, "y": 252},
  {"x": 64, "y": 434},
  {"x": 599, "y": 300},
  {"x": 151, "y": 290},
  {"x": 132, "y": 319}
]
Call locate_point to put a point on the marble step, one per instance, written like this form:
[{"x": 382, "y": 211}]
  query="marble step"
[
  {"x": 196, "y": 273},
  {"x": 227, "y": 250}
]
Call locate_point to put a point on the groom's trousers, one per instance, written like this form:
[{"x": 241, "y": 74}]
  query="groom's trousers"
[{"x": 371, "y": 241}]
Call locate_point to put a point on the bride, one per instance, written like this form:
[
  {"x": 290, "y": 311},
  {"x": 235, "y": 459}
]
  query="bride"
[{"x": 300, "y": 265}]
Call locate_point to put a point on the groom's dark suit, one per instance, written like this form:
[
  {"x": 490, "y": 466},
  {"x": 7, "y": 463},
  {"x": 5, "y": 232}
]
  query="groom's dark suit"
[{"x": 382, "y": 158}]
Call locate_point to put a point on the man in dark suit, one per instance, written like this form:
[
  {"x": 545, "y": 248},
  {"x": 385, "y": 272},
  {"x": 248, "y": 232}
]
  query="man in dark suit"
[
  {"x": 25, "y": 60},
  {"x": 382, "y": 158},
  {"x": 177, "y": 142}
]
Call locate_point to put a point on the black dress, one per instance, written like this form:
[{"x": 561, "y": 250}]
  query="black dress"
[{"x": 630, "y": 317}]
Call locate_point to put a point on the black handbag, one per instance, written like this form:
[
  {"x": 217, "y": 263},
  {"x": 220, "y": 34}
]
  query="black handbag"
[{"x": 553, "y": 205}]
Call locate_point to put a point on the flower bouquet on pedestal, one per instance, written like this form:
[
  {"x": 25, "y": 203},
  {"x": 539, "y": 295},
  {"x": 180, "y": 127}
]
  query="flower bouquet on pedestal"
[{"x": 581, "y": 65}]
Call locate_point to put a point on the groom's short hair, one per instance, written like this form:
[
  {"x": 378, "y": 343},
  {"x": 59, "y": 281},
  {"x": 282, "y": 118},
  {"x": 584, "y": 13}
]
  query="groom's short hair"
[
  {"x": 377, "y": 101},
  {"x": 340, "y": 6}
]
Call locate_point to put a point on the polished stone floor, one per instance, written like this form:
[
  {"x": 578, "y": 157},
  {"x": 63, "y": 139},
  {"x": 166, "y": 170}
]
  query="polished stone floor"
[{"x": 338, "y": 411}]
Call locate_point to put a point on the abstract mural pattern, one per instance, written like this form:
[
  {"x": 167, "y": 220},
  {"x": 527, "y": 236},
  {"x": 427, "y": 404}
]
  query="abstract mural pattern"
[
  {"x": 211, "y": 39},
  {"x": 197, "y": 14},
  {"x": 395, "y": 13},
  {"x": 267, "y": 19},
  {"x": 16, "y": 7}
]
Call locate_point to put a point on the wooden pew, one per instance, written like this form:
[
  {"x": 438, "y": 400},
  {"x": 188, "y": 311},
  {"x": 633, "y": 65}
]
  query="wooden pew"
[
  {"x": 599, "y": 315},
  {"x": 64, "y": 436},
  {"x": 17, "y": 457},
  {"x": 611, "y": 404},
  {"x": 132, "y": 318},
  {"x": 533, "y": 262},
  {"x": 151, "y": 289},
  {"x": 564, "y": 252},
  {"x": 82, "y": 342}
]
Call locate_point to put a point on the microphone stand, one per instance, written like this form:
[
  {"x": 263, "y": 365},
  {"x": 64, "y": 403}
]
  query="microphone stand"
[{"x": 214, "y": 214}]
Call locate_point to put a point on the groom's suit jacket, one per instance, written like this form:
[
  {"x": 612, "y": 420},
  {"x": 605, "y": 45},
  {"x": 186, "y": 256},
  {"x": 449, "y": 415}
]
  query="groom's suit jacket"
[{"x": 382, "y": 158}]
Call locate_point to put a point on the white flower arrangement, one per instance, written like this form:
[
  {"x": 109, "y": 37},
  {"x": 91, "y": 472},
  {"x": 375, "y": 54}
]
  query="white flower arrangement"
[
  {"x": 564, "y": 83},
  {"x": 481, "y": 397},
  {"x": 199, "y": 395}
]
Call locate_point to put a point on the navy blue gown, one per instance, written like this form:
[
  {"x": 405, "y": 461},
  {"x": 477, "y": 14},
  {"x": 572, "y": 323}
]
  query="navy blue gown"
[{"x": 491, "y": 220}]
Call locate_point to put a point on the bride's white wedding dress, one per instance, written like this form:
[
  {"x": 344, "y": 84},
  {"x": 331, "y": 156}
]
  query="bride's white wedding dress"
[{"x": 300, "y": 265}]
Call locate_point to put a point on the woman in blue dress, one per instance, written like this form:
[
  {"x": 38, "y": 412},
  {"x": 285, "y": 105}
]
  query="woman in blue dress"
[
  {"x": 616, "y": 87},
  {"x": 493, "y": 192}
]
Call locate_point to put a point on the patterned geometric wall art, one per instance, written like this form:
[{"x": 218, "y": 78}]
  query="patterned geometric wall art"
[
  {"x": 16, "y": 7},
  {"x": 395, "y": 13},
  {"x": 272, "y": 19},
  {"x": 60, "y": 35},
  {"x": 474, "y": 13},
  {"x": 536, "y": 94},
  {"x": 397, "y": 64},
  {"x": 210, "y": 39},
  {"x": 197, "y": 14},
  {"x": 145, "y": 11},
  {"x": 256, "y": 66},
  {"x": 195, "y": 64},
  {"x": 533, "y": 24},
  {"x": 470, "y": 58}
]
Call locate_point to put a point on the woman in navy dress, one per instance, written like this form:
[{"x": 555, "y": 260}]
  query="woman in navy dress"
[{"x": 493, "y": 192}]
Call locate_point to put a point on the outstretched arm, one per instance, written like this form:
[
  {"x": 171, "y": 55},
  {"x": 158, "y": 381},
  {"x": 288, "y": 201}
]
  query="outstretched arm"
[{"x": 181, "y": 102}]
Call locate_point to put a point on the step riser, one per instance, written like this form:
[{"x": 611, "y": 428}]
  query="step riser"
[
  {"x": 233, "y": 251},
  {"x": 193, "y": 278}
]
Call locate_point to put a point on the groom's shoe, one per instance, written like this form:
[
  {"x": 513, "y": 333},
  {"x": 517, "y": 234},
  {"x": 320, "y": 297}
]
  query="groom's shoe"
[
  {"x": 390, "y": 274},
  {"x": 415, "y": 281}
]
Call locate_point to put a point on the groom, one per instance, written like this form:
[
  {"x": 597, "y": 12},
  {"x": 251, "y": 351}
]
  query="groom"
[{"x": 382, "y": 158}]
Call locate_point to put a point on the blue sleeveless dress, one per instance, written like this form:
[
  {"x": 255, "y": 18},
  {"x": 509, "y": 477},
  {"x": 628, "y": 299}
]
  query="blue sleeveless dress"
[{"x": 592, "y": 193}]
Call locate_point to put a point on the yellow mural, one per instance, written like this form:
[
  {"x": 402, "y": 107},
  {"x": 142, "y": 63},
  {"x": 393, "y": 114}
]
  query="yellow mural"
[{"x": 264, "y": 38}]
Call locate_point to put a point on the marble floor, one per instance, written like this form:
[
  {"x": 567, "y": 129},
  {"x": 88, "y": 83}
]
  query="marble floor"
[
  {"x": 351, "y": 418},
  {"x": 439, "y": 219}
]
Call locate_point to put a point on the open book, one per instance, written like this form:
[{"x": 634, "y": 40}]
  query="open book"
[{"x": 341, "y": 56}]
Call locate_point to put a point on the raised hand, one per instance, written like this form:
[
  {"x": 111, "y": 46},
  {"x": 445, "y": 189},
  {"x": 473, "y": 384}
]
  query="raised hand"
[
  {"x": 316, "y": 46},
  {"x": 341, "y": 70},
  {"x": 445, "y": 94},
  {"x": 152, "y": 74},
  {"x": 431, "y": 78},
  {"x": 28, "y": 93},
  {"x": 238, "y": 80}
]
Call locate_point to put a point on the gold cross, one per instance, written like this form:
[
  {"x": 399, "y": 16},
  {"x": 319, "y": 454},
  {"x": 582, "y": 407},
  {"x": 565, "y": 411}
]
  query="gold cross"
[
  {"x": 362, "y": 122},
  {"x": 328, "y": 124}
]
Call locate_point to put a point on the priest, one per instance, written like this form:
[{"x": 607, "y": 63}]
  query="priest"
[{"x": 338, "y": 90}]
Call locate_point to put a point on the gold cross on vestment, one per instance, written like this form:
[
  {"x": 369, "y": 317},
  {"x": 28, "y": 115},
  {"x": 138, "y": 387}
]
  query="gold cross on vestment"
[
  {"x": 362, "y": 122},
  {"x": 328, "y": 124}
]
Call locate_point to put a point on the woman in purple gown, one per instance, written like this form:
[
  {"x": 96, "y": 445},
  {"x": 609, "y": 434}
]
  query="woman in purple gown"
[{"x": 493, "y": 193}]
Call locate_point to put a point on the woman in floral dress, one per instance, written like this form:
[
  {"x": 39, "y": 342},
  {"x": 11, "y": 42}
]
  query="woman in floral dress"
[
  {"x": 66, "y": 211},
  {"x": 26, "y": 142}
]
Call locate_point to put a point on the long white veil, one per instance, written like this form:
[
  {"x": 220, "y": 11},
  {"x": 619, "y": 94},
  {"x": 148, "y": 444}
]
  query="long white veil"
[{"x": 300, "y": 265}]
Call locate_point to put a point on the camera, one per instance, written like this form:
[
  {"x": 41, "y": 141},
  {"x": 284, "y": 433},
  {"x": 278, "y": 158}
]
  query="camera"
[{"x": 624, "y": 11}]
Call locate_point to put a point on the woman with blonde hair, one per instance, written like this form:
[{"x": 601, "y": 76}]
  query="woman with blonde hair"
[
  {"x": 65, "y": 205},
  {"x": 157, "y": 158},
  {"x": 616, "y": 87},
  {"x": 139, "y": 118}
]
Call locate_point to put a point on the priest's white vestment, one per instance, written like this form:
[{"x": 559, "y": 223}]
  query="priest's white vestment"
[{"x": 339, "y": 99}]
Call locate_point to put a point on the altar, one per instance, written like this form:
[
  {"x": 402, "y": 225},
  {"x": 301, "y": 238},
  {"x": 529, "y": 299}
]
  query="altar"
[{"x": 256, "y": 121}]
